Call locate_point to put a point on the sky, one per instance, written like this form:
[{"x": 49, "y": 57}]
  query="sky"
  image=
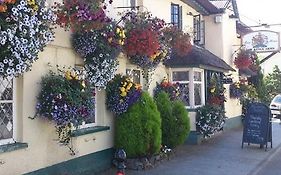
[{"x": 256, "y": 12}]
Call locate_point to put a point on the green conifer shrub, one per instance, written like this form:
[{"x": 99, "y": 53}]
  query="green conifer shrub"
[
  {"x": 175, "y": 120},
  {"x": 138, "y": 131}
]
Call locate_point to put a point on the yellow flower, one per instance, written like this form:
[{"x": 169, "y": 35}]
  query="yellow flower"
[
  {"x": 118, "y": 30},
  {"x": 74, "y": 76},
  {"x": 35, "y": 8},
  {"x": 120, "y": 42},
  {"x": 83, "y": 84},
  {"x": 125, "y": 84},
  {"x": 213, "y": 90},
  {"x": 123, "y": 94},
  {"x": 122, "y": 89},
  {"x": 68, "y": 75}
]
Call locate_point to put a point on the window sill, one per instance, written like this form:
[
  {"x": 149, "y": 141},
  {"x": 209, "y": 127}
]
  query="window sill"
[
  {"x": 89, "y": 130},
  {"x": 12, "y": 147}
]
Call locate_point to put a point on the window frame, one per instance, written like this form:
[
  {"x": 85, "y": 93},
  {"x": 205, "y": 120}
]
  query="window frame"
[
  {"x": 198, "y": 30},
  {"x": 14, "y": 123},
  {"x": 191, "y": 84},
  {"x": 132, "y": 68},
  {"x": 176, "y": 15}
]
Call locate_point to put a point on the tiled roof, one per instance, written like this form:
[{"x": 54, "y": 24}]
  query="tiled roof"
[{"x": 198, "y": 57}]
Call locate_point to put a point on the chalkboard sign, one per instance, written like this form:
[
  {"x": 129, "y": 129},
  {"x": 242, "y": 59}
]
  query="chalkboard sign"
[{"x": 257, "y": 125}]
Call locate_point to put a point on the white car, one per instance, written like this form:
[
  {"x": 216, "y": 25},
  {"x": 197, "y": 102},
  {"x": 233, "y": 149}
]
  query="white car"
[{"x": 275, "y": 106}]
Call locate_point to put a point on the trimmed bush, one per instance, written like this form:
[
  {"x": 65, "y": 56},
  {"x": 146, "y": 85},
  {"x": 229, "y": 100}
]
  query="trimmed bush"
[
  {"x": 138, "y": 131},
  {"x": 175, "y": 120}
]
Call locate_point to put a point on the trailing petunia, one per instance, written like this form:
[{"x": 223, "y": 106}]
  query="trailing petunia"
[
  {"x": 26, "y": 28},
  {"x": 99, "y": 50}
]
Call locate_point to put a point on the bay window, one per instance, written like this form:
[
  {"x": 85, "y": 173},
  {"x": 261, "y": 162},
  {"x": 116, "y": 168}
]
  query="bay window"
[{"x": 191, "y": 85}]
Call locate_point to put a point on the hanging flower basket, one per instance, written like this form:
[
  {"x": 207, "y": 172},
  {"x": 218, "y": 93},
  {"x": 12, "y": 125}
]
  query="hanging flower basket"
[
  {"x": 121, "y": 93},
  {"x": 143, "y": 43},
  {"x": 67, "y": 100},
  {"x": 244, "y": 59},
  {"x": 81, "y": 15},
  {"x": 178, "y": 40},
  {"x": 99, "y": 50},
  {"x": 25, "y": 31}
]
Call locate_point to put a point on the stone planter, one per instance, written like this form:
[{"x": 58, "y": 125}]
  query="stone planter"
[{"x": 148, "y": 162}]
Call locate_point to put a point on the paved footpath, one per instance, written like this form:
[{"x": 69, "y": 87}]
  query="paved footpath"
[{"x": 220, "y": 155}]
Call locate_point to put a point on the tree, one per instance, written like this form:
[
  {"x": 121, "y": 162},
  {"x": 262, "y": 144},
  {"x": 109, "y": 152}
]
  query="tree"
[{"x": 273, "y": 83}]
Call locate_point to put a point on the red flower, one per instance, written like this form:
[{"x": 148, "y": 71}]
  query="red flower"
[{"x": 142, "y": 42}]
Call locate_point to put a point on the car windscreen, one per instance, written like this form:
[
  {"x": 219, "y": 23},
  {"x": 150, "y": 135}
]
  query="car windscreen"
[{"x": 277, "y": 99}]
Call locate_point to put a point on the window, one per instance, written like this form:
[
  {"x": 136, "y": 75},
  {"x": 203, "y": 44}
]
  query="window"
[
  {"x": 135, "y": 74},
  {"x": 198, "y": 30},
  {"x": 91, "y": 120},
  {"x": 182, "y": 77},
  {"x": 7, "y": 110},
  {"x": 176, "y": 15},
  {"x": 191, "y": 85}
]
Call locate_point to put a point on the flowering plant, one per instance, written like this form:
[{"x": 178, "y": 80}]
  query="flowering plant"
[
  {"x": 143, "y": 43},
  {"x": 81, "y": 15},
  {"x": 244, "y": 59},
  {"x": 170, "y": 88},
  {"x": 216, "y": 92},
  {"x": 235, "y": 90},
  {"x": 25, "y": 30},
  {"x": 99, "y": 50},
  {"x": 121, "y": 93},
  {"x": 67, "y": 100},
  {"x": 178, "y": 40},
  {"x": 210, "y": 119}
]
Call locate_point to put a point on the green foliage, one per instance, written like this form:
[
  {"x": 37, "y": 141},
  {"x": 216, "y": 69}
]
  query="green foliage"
[
  {"x": 210, "y": 119},
  {"x": 175, "y": 121},
  {"x": 182, "y": 123},
  {"x": 258, "y": 82},
  {"x": 138, "y": 131},
  {"x": 273, "y": 84}
]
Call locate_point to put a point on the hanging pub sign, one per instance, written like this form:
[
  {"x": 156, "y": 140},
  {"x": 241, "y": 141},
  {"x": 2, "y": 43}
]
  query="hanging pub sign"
[{"x": 262, "y": 41}]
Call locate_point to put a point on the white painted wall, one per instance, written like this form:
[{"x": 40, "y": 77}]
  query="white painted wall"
[{"x": 221, "y": 39}]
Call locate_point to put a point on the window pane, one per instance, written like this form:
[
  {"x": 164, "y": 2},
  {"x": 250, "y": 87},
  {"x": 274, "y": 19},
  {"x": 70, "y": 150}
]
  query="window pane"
[
  {"x": 135, "y": 75},
  {"x": 92, "y": 117},
  {"x": 180, "y": 76},
  {"x": 176, "y": 9},
  {"x": 175, "y": 20},
  {"x": 6, "y": 88},
  {"x": 197, "y": 76},
  {"x": 184, "y": 93},
  {"x": 6, "y": 120},
  {"x": 197, "y": 94}
]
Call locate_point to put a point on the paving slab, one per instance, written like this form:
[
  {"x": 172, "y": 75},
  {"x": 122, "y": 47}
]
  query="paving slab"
[{"x": 219, "y": 155}]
